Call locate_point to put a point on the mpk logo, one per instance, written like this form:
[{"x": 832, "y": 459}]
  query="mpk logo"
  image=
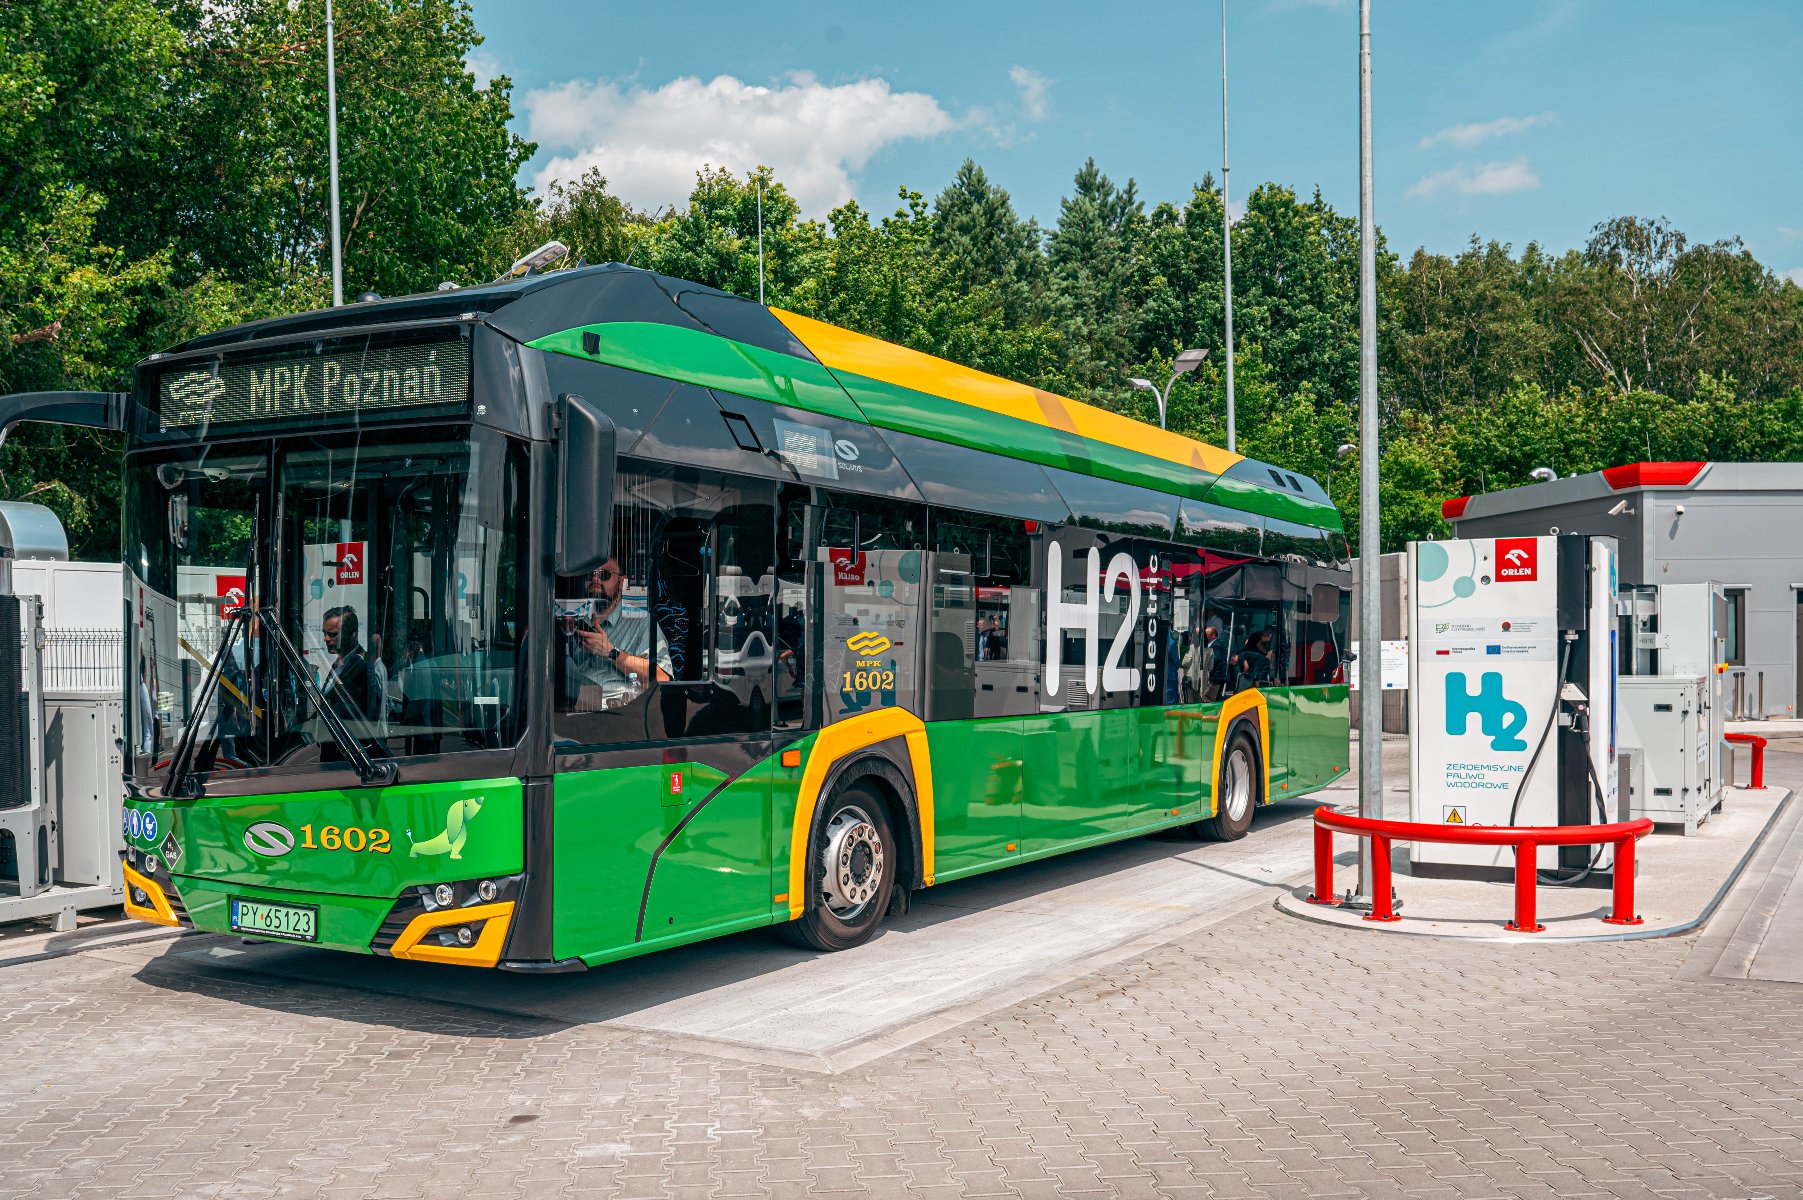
[{"x": 1500, "y": 718}]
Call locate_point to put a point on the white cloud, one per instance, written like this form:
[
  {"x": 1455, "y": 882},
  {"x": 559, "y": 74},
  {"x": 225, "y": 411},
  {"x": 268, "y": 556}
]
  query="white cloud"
[
  {"x": 1789, "y": 233},
  {"x": 483, "y": 65},
  {"x": 650, "y": 142},
  {"x": 1035, "y": 103},
  {"x": 1795, "y": 275},
  {"x": 1489, "y": 179},
  {"x": 1467, "y": 136}
]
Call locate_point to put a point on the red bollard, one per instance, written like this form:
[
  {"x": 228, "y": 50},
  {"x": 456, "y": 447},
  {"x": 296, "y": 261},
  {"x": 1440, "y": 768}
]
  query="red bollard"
[
  {"x": 1323, "y": 866},
  {"x": 1527, "y": 862},
  {"x": 1756, "y": 778},
  {"x": 1624, "y": 886},
  {"x": 1380, "y": 881}
]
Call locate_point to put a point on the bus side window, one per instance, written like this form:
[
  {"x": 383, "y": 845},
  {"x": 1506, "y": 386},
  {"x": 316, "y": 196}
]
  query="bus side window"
[{"x": 983, "y": 656}]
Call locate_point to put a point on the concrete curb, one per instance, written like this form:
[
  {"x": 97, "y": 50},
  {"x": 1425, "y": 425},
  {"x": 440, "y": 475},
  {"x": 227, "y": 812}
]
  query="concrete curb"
[{"x": 1295, "y": 904}]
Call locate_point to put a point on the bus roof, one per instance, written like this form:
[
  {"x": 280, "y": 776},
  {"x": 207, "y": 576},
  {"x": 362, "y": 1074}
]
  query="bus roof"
[{"x": 643, "y": 321}]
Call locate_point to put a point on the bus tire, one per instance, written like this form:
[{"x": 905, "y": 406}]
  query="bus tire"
[
  {"x": 851, "y": 873},
  {"x": 1236, "y": 790}
]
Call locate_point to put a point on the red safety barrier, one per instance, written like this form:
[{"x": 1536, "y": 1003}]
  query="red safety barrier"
[
  {"x": 1757, "y": 779},
  {"x": 1527, "y": 840}
]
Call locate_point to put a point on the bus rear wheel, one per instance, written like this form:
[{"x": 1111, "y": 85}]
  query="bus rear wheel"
[
  {"x": 1236, "y": 790},
  {"x": 851, "y": 873}
]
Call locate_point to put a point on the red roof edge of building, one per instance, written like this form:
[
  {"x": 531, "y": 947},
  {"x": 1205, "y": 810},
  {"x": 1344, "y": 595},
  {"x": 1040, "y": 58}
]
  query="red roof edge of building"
[
  {"x": 1453, "y": 509},
  {"x": 1652, "y": 474}
]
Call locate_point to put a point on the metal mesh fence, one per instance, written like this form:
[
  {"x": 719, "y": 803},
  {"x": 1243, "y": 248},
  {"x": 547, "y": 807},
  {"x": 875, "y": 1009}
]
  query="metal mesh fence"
[{"x": 84, "y": 660}]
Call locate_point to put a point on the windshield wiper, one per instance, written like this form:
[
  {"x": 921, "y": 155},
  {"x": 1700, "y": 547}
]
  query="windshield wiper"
[
  {"x": 372, "y": 772},
  {"x": 179, "y": 783}
]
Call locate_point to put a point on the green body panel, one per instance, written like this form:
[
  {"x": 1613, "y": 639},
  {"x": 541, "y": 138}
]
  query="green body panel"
[
  {"x": 345, "y": 922},
  {"x": 426, "y": 842},
  {"x": 710, "y": 361},
  {"x": 1279, "y": 704},
  {"x": 1046, "y": 785},
  {"x": 1254, "y": 498},
  {"x": 1318, "y": 751},
  {"x": 713, "y": 874},
  {"x": 978, "y": 784},
  {"x": 1109, "y": 772},
  {"x": 891, "y": 406}
]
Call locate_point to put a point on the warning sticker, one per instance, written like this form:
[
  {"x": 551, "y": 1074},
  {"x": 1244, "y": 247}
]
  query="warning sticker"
[{"x": 1454, "y": 814}]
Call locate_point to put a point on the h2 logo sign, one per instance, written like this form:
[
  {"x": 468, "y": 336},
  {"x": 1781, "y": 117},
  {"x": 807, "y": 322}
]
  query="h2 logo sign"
[
  {"x": 1085, "y": 617},
  {"x": 1501, "y": 719}
]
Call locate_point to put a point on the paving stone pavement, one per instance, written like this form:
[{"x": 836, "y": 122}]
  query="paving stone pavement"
[{"x": 1261, "y": 1057}]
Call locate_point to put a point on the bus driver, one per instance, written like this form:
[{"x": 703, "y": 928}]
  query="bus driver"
[{"x": 610, "y": 650}]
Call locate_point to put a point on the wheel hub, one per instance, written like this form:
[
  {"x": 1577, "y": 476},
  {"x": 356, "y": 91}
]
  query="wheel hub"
[
  {"x": 854, "y": 862},
  {"x": 1237, "y": 786}
]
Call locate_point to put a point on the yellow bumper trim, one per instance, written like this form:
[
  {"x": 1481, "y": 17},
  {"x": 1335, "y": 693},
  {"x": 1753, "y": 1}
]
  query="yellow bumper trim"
[
  {"x": 159, "y": 911},
  {"x": 485, "y": 951}
]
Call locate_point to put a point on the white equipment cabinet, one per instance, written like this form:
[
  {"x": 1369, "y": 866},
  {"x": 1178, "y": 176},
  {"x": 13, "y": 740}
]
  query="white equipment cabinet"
[{"x": 1667, "y": 720}]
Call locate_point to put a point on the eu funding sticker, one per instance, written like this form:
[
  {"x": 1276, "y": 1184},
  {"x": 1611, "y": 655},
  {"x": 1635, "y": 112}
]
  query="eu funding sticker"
[{"x": 304, "y": 385}]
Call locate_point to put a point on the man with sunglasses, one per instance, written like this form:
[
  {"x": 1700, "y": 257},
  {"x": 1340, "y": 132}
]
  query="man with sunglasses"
[{"x": 611, "y": 652}]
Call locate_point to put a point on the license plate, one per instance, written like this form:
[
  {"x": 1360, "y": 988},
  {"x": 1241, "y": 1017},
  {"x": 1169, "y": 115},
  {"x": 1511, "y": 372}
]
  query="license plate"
[{"x": 296, "y": 922}]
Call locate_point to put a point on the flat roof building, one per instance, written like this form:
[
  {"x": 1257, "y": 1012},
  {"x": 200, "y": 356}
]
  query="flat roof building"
[{"x": 1737, "y": 524}]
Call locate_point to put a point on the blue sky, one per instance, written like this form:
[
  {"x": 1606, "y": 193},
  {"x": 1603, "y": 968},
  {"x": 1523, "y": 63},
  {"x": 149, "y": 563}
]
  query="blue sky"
[{"x": 1527, "y": 120}]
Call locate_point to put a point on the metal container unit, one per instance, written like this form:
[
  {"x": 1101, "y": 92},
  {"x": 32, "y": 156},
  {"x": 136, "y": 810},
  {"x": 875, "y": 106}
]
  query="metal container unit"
[
  {"x": 61, "y": 767},
  {"x": 1667, "y": 721}
]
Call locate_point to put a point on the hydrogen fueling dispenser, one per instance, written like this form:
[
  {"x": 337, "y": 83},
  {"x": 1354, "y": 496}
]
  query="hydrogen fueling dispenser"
[{"x": 1512, "y": 696}]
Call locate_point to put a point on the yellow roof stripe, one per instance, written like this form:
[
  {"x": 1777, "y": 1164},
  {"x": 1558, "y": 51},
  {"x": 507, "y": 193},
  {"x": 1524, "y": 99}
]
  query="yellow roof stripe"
[{"x": 842, "y": 350}]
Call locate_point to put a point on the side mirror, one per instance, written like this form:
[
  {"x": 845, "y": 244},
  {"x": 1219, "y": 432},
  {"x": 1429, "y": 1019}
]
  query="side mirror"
[{"x": 586, "y": 442}]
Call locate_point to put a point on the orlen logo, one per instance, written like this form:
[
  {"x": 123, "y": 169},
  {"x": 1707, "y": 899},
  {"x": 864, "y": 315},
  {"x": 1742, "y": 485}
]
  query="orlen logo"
[
  {"x": 350, "y": 562},
  {"x": 269, "y": 839},
  {"x": 230, "y": 589},
  {"x": 848, "y": 567},
  {"x": 1517, "y": 560}
]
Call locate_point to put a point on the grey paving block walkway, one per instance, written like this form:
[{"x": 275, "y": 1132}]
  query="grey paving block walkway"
[
  {"x": 1263, "y": 1058},
  {"x": 1256, "y": 1057}
]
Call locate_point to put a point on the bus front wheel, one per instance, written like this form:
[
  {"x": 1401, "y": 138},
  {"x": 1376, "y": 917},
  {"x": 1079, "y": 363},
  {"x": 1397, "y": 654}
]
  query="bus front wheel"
[
  {"x": 851, "y": 873},
  {"x": 1236, "y": 790}
]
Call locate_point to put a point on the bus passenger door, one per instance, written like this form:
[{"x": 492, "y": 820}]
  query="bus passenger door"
[
  {"x": 978, "y": 675},
  {"x": 664, "y": 779}
]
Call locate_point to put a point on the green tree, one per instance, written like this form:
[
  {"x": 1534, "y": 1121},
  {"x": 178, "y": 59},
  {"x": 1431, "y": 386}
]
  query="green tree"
[
  {"x": 985, "y": 244},
  {"x": 1096, "y": 274}
]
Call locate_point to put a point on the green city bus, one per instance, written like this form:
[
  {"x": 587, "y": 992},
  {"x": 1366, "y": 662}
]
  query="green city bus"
[{"x": 541, "y": 624}]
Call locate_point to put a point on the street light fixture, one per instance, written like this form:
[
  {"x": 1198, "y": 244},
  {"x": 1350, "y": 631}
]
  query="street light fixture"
[
  {"x": 1186, "y": 362},
  {"x": 1341, "y": 453}
]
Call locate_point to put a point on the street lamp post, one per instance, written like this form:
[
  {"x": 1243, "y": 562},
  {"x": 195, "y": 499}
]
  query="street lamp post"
[
  {"x": 1186, "y": 362},
  {"x": 332, "y": 143},
  {"x": 1227, "y": 234}
]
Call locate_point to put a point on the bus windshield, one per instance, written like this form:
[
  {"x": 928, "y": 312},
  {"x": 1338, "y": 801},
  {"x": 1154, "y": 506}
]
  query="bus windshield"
[{"x": 391, "y": 560}]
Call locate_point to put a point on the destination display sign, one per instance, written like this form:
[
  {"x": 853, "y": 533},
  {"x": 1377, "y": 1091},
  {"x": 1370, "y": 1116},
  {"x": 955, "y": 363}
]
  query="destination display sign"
[{"x": 366, "y": 379}]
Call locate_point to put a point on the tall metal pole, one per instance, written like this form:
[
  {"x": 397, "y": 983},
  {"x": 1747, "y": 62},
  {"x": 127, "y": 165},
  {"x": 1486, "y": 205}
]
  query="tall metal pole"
[
  {"x": 332, "y": 143},
  {"x": 1371, "y": 696},
  {"x": 760, "y": 239},
  {"x": 1227, "y": 231}
]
